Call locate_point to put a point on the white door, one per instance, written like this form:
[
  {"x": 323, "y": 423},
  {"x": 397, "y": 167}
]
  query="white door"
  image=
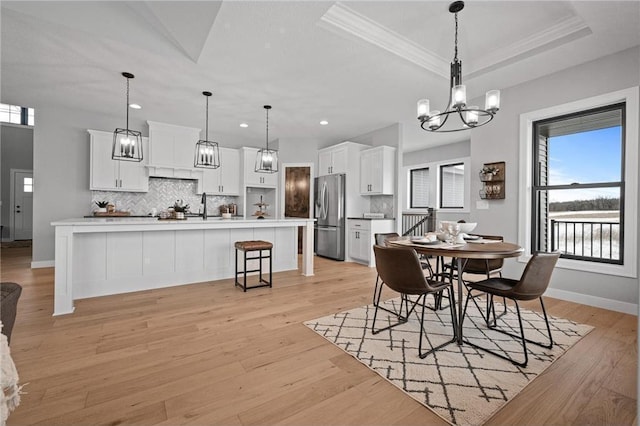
[{"x": 22, "y": 205}]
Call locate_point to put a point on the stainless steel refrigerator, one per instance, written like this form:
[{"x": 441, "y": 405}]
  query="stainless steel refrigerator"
[{"x": 329, "y": 212}]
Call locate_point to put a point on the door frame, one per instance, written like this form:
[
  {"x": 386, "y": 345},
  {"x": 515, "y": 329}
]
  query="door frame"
[
  {"x": 12, "y": 210},
  {"x": 283, "y": 176}
]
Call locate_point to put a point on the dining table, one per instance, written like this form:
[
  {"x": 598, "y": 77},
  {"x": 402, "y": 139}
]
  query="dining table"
[{"x": 478, "y": 248}]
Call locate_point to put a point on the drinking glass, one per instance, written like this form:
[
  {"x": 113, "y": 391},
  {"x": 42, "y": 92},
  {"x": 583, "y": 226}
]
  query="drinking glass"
[{"x": 454, "y": 230}]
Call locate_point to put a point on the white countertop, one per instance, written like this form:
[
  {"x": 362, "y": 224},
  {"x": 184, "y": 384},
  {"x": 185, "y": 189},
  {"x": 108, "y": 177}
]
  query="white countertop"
[{"x": 124, "y": 224}]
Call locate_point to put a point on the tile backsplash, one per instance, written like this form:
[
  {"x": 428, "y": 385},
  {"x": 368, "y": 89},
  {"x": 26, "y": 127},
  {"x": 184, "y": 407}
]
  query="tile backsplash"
[
  {"x": 382, "y": 204},
  {"x": 162, "y": 193}
]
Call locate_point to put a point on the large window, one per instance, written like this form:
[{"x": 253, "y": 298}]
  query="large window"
[
  {"x": 419, "y": 188},
  {"x": 578, "y": 185},
  {"x": 452, "y": 185}
]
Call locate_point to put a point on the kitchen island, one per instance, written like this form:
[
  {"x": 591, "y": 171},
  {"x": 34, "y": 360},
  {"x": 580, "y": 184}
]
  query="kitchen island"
[{"x": 104, "y": 256}]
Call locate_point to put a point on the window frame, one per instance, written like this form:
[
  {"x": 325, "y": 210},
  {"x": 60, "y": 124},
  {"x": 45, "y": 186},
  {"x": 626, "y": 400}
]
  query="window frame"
[
  {"x": 411, "y": 206},
  {"x": 630, "y": 97},
  {"x": 25, "y": 113},
  {"x": 538, "y": 187},
  {"x": 441, "y": 182},
  {"x": 434, "y": 185}
]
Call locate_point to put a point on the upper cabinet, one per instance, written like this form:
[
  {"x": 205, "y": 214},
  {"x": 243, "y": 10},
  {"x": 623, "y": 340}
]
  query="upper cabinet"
[
  {"x": 225, "y": 180},
  {"x": 333, "y": 160},
  {"x": 250, "y": 176},
  {"x": 377, "y": 171},
  {"x": 113, "y": 175},
  {"x": 172, "y": 150}
]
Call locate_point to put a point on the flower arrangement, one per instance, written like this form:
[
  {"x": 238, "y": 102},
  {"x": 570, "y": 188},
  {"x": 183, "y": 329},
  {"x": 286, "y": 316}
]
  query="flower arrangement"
[
  {"x": 490, "y": 170},
  {"x": 180, "y": 207}
]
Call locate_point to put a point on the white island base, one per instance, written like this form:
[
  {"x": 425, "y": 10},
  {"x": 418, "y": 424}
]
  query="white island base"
[{"x": 99, "y": 257}]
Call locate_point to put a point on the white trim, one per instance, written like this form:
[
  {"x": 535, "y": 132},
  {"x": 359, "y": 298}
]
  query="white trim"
[
  {"x": 598, "y": 302},
  {"x": 43, "y": 264},
  {"x": 630, "y": 97},
  {"x": 434, "y": 177},
  {"x": 12, "y": 201}
]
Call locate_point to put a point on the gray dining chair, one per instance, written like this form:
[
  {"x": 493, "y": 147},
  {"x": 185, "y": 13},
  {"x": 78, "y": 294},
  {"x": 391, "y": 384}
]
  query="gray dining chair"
[
  {"x": 531, "y": 285},
  {"x": 400, "y": 270}
]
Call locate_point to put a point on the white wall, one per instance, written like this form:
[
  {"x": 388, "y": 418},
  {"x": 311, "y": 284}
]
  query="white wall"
[{"x": 498, "y": 141}]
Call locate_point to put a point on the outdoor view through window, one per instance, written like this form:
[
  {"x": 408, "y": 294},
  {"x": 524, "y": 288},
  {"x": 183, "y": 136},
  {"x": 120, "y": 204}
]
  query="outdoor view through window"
[{"x": 578, "y": 192}]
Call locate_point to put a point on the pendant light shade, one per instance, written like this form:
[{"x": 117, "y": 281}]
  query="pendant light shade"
[
  {"x": 207, "y": 153},
  {"x": 267, "y": 159},
  {"x": 463, "y": 117},
  {"x": 127, "y": 144}
]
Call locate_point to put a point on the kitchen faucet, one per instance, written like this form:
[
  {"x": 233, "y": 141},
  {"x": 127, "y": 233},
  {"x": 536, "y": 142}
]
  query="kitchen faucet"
[{"x": 204, "y": 201}]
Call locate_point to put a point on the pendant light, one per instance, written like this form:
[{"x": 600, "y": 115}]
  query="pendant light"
[
  {"x": 127, "y": 144},
  {"x": 267, "y": 159},
  {"x": 207, "y": 152},
  {"x": 469, "y": 116}
]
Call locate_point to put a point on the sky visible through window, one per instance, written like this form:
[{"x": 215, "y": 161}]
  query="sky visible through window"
[{"x": 586, "y": 157}]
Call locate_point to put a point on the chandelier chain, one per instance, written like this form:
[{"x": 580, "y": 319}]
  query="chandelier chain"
[{"x": 455, "y": 54}]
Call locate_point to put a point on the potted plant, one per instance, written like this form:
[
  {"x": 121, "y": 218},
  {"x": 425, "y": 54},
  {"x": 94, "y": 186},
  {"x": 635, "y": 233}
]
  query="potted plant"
[
  {"x": 179, "y": 209},
  {"x": 488, "y": 172},
  {"x": 102, "y": 206}
]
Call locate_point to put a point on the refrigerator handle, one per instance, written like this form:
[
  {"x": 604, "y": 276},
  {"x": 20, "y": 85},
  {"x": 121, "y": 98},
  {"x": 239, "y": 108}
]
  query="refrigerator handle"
[{"x": 325, "y": 200}]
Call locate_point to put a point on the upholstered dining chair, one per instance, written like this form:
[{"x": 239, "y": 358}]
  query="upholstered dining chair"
[
  {"x": 400, "y": 270},
  {"x": 381, "y": 240},
  {"x": 531, "y": 285}
]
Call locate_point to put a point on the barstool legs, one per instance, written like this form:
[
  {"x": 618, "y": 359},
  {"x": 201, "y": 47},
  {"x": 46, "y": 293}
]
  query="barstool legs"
[{"x": 262, "y": 282}]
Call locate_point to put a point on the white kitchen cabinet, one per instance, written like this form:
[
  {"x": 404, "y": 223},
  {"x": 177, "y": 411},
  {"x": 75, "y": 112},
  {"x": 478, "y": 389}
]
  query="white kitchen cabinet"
[
  {"x": 172, "y": 146},
  {"x": 377, "y": 171},
  {"x": 253, "y": 178},
  {"x": 114, "y": 175},
  {"x": 333, "y": 160},
  {"x": 361, "y": 238},
  {"x": 225, "y": 180}
]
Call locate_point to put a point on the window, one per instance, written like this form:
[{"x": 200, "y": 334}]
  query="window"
[
  {"x": 17, "y": 114},
  {"x": 27, "y": 184},
  {"x": 419, "y": 188},
  {"x": 452, "y": 185},
  {"x": 577, "y": 185},
  {"x": 560, "y": 179}
]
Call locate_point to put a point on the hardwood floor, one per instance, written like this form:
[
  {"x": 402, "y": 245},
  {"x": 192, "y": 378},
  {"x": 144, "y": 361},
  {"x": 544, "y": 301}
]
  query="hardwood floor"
[{"x": 210, "y": 354}]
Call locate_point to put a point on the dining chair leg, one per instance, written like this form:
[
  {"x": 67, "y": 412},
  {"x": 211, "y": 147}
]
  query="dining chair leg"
[
  {"x": 422, "y": 333},
  {"x": 401, "y": 319}
]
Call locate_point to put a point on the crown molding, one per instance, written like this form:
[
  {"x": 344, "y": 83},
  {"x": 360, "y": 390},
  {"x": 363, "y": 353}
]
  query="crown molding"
[
  {"x": 560, "y": 33},
  {"x": 348, "y": 20}
]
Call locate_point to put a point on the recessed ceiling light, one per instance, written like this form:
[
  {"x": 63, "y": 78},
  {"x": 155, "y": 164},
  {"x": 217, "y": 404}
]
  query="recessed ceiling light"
[
  {"x": 135, "y": 106},
  {"x": 324, "y": 122},
  {"x": 244, "y": 125}
]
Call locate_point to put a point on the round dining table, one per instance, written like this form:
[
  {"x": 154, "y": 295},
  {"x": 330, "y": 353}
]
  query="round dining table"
[{"x": 460, "y": 252}]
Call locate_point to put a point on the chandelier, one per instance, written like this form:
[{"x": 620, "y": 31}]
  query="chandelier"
[
  {"x": 207, "y": 153},
  {"x": 127, "y": 144},
  {"x": 267, "y": 159},
  {"x": 469, "y": 116}
]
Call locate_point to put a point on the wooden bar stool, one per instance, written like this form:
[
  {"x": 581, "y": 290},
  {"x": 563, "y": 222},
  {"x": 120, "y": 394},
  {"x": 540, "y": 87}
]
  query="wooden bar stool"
[{"x": 251, "y": 246}]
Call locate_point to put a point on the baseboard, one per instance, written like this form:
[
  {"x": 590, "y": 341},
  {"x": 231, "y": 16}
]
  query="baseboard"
[
  {"x": 43, "y": 264},
  {"x": 598, "y": 302}
]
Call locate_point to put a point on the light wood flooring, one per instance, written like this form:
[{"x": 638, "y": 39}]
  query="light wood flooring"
[{"x": 210, "y": 354}]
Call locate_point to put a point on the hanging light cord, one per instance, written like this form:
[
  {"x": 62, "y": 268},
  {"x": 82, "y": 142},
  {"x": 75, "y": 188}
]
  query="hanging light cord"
[
  {"x": 127, "y": 106},
  {"x": 206, "y": 120},
  {"x": 267, "y": 129}
]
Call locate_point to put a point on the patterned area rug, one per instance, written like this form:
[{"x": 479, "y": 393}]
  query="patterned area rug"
[{"x": 463, "y": 385}]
